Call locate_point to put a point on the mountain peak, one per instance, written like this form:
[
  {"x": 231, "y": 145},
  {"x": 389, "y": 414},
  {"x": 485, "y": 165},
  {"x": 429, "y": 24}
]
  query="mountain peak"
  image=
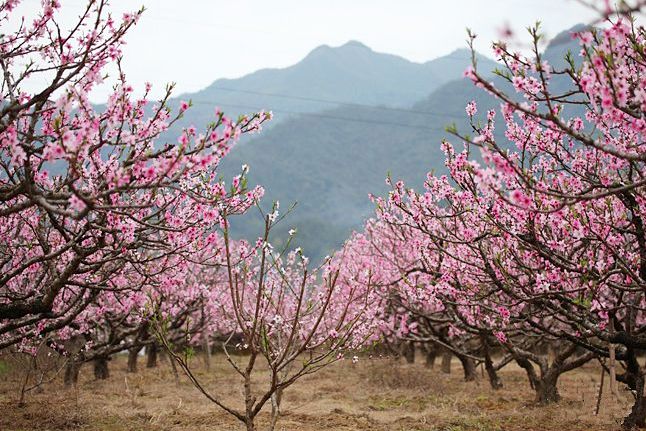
[
  {"x": 466, "y": 52},
  {"x": 351, "y": 45},
  {"x": 354, "y": 44},
  {"x": 565, "y": 36},
  {"x": 319, "y": 50}
]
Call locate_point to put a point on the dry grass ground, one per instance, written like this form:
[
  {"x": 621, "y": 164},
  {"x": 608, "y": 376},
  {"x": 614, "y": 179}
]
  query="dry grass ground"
[{"x": 374, "y": 394}]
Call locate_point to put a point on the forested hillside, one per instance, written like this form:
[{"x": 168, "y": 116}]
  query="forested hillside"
[{"x": 328, "y": 154}]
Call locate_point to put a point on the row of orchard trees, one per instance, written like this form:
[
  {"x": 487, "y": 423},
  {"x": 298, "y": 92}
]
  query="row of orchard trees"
[
  {"x": 539, "y": 238},
  {"x": 112, "y": 239}
]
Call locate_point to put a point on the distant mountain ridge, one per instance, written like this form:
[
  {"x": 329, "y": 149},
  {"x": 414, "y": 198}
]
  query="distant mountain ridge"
[
  {"x": 329, "y": 156},
  {"x": 350, "y": 73},
  {"x": 326, "y": 78}
]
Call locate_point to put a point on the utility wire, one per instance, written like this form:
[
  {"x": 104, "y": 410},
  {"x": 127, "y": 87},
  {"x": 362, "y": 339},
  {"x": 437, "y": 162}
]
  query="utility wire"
[
  {"x": 325, "y": 116},
  {"x": 335, "y": 102}
]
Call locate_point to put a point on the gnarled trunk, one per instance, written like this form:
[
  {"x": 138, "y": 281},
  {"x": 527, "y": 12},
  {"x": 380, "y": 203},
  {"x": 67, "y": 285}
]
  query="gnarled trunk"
[
  {"x": 469, "y": 367},
  {"x": 133, "y": 355},
  {"x": 634, "y": 379},
  {"x": 494, "y": 379},
  {"x": 408, "y": 351},
  {"x": 73, "y": 366},
  {"x": 151, "y": 355},
  {"x": 637, "y": 416},
  {"x": 544, "y": 385},
  {"x": 446, "y": 361},
  {"x": 492, "y": 374},
  {"x": 546, "y": 390},
  {"x": 101, "y": 371},
  {"x": 71, "y": 377},
  {"x": 173, "y": 367},
  {"x": 430, "y": 354}
]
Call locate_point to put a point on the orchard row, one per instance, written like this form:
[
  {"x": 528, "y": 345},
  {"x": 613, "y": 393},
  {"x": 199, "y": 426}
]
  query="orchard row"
[{"x": 112, "y": 239}]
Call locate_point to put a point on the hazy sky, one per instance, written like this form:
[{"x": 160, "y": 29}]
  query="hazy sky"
[{"x": 194, "y": 42}]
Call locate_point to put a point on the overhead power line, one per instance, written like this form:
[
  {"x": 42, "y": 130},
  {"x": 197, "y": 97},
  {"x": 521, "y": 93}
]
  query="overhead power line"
[
  {"x": 325, "y": 116},
  {"x": 335, "y": 102}
]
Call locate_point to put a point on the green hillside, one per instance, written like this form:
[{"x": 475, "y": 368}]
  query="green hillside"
[{"x": 328, "y": 158}]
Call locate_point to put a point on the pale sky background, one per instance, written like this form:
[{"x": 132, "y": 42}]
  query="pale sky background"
[{"x": 195, "y": 42}]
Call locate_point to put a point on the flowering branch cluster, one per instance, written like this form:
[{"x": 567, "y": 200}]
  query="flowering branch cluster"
[
  {"x": 95, "y": 211},
  {"x": 538, "y": 235}
]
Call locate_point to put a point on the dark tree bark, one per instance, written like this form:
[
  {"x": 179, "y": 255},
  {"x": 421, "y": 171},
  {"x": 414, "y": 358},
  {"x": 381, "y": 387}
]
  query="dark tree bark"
[
  {"x": 133, "y": 355},
  {"x": 637, "y": 416},
  {"x": 633, "y": 377},
  {"x": 492, "y": 374},
  {"x": 73, "y": 366},
  {"x": 446, "y": 361},
  {"x": 71, "y": 373},
  {"x": 408, "y": 350},
  {"x": 430, "y": 352},
  {"x": 546, "y": 390},
  {"x": 469, "y": 367},
  {"x": 544, "y": 385},
  {"x": 173, "y": 367},
  {"x": 71, "y": 377},
  {"x": 151, "y": 355},
  {"x": 101, "y": 370}
]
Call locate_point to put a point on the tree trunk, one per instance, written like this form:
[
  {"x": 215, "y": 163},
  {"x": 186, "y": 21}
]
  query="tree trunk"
[
  {"x": 173, "y": 367},
  {"x": 133, "y": 355},
  {"x": 446, "y": 362},
  {"x": 249, "y": 399},
  {"x": 23, "y": 388},
  {"x": 276, "y": 398},
  {"x": 71, "y": 377},
  {"x": 408, "y": 350},
  {"x": 634, "y": 378},
  {"x": 101, "y": 371},
  {"x": 494, "y": 380},
  {"x": 637, "y": 416},
  {"x": 73, "y": 366},
  {"x": 545, "y": 385},
  {"x": 546, "y": 390},
  {"x": 206, "y": 346},
  {"x": 469, "y": 367},
  {"x": 151, "y": 355},
  {"x": 431, "y": 354}
]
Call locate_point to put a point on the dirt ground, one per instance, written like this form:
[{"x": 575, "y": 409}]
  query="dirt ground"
[{"x": 374, "y": 394}]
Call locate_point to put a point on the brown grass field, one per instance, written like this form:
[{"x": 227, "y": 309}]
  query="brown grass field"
[{"x": 374, "y": 394}]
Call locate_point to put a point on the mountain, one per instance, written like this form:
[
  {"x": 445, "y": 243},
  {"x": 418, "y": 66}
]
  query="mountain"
[
  {"x": 329, "y": 156},
  {"x": 329, "y": 163},
  {"x": 563, "y": 43},
  {"x": 326, "y": 78},
  {"x": 350, "y": 73}
]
